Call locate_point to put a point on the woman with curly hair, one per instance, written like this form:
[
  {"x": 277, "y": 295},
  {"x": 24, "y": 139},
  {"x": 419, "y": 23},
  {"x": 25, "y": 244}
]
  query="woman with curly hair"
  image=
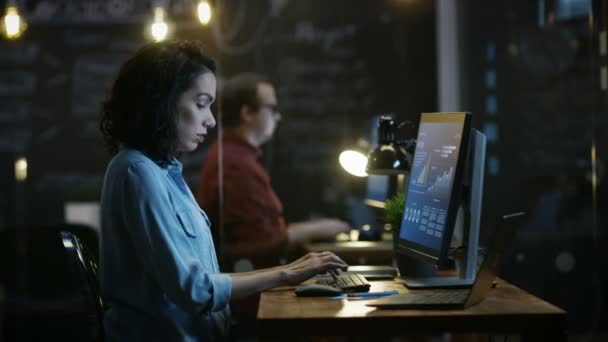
[{"x": 158, "y": 269}]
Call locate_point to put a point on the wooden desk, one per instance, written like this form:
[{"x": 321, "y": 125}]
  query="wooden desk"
[
  {"x": 506, "y": 310},
  {"x": 357, "y": 252}
]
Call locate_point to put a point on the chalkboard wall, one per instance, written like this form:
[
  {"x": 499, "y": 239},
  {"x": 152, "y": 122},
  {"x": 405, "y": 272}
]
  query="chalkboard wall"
[{"x": 335, "y": 64}]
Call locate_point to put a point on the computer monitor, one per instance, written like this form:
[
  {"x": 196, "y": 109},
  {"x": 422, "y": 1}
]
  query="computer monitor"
[
  {"x": 378, "y": 187},
  {"x": 446, "y": 174},
  {"x": 382, "y": 187},
  {"x": 377, "y": 190}
]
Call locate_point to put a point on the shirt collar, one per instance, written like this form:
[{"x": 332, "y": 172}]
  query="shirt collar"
[
  {"x": 232, "y": 137},
  {"x": 174, "y": 166}
]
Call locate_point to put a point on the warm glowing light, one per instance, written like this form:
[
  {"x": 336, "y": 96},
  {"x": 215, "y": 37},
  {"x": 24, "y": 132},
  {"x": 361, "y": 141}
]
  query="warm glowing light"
[
  {"x": 353, "y": 162},
  {"x": 204, "y": 12},
  {"x": 21, "y": 169},
  {"x": 14, "y": 26},
  {"x": 159, "y": 27}
]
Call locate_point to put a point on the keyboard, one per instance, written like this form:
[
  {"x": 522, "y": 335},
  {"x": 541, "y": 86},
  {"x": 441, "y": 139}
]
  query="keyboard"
[
  {"x": 435, "y": 301},
  {"x": 346, "y": 282}
]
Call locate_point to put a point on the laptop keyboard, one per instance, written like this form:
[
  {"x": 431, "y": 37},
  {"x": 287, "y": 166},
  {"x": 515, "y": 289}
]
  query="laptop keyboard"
[
  {"x": 347, "y": 282},
  {"x": 451, "y": 297}
]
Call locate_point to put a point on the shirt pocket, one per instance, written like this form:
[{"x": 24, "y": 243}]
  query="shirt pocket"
[{"x": 188, "y": 224}]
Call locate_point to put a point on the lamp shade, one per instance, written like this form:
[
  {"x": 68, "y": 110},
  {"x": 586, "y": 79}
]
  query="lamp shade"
[{"x": 389, "y": 157}]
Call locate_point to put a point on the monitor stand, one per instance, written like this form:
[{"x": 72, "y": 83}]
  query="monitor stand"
[
  {"x": 467, "y": 271},
  {"x": 475, "y": 172}
]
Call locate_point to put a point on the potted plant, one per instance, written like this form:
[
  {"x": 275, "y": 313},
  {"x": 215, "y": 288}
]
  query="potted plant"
[{"x": 393, "y": 212}]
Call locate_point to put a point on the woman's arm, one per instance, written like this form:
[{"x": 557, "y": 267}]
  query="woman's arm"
[{"x": 246, "y": 284}]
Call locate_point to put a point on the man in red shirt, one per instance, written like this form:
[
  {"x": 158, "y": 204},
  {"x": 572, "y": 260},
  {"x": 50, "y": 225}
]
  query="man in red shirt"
[{"x": 246, "y": 214}]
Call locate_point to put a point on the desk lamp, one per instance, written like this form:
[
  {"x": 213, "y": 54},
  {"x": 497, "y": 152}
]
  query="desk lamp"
[
  {"x": 354, "y": 159},
  {"x": 390, "y": 157}
]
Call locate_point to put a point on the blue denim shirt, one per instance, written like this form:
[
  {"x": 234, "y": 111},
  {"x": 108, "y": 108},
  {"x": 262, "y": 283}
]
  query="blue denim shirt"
[{"x": 158, "y": 269}]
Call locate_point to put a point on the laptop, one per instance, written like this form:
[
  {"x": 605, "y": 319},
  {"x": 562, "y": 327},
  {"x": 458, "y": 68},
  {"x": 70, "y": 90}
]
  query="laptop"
[{"x": 461, "y": 299}]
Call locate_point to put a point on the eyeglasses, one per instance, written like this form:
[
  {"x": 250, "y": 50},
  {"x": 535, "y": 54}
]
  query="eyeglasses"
[{"x": 273, "y": 108}]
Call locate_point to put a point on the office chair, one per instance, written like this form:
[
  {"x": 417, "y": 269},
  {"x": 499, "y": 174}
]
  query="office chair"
[
  {"x": 86, "y": 266},
  {"x": 2, "y": 304},
  {"x": 44, "y": 295}
]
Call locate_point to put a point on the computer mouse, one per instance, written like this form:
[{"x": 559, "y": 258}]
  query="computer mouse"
[{"x": 317, "y": 290}]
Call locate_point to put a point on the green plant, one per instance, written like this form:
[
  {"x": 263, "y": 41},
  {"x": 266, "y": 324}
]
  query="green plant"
[{"x": 393, "y": 209}]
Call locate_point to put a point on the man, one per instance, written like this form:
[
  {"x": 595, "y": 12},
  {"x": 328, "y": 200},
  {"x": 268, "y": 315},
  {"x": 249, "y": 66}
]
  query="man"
[{"x": 246, "y": 214}]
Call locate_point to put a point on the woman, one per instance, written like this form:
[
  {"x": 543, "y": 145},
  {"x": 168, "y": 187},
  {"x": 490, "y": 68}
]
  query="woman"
[{"x": 159, "y": 273}]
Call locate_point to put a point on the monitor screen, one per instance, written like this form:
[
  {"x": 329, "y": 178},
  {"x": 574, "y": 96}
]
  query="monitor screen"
[
  {"x": 433, "y": 194},
  {"x": 377, "y": 190}
]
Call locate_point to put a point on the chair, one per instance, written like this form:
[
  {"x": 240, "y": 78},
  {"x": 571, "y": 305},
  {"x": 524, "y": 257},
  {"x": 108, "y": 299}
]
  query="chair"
[
  {"x": 2, "y": 300},
  {"x": 85, "y": 265},
  {"x": 45, "y": 296}
]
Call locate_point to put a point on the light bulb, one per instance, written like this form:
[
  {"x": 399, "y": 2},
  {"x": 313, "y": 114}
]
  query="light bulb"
[
  {"x": 204, "y": 12},
  {"x": 353, "y": 162},
  {"x": 14, "y": 26},
  {"x": 21, "y": 169},
  {"x": 159, "y": 27}
]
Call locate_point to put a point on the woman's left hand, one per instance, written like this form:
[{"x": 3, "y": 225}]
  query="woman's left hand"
[{"x": 310, "y": 265}]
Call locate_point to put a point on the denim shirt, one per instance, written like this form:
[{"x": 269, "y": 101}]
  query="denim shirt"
[{"x": 158, "y": 269}]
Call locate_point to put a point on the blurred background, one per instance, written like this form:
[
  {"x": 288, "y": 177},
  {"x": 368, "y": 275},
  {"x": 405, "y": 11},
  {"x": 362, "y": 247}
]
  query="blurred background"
[{"x": 533, "y": 73}]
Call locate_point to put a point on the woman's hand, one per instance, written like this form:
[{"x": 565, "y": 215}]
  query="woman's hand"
[
  {"x": 246, "y": 284},
  {"x": 310, "y": 265}
]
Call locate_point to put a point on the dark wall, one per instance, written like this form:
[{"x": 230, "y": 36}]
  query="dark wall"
[
  {"x": 52, "y": 82},
  {"x": 549, "y": 116},
  {"x": 335, "y": 65}
]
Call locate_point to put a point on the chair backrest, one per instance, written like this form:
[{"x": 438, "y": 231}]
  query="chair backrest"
[
  {"x": 44, "y": 293},
  {"x": 86, "y": 265},
  {"x": 2, "y": 300}
]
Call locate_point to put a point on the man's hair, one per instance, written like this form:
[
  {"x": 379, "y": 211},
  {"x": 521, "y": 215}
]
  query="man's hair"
[
  {"x": 240, "y": 90},
  {"x": 141, "y": 108}
]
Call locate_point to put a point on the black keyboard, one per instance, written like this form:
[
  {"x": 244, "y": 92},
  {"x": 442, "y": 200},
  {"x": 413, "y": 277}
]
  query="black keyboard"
[
  {"x": 347, "y": 282},
  {"x": 439, "y": 298}
]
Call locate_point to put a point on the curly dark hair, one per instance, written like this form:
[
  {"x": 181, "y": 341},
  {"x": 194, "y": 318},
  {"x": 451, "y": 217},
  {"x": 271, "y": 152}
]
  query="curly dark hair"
[{"x": 141, "y": 109}]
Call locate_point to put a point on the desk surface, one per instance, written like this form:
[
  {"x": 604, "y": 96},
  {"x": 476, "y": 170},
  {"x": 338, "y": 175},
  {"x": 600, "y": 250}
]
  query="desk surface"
[{"x": 507, "y": 309}]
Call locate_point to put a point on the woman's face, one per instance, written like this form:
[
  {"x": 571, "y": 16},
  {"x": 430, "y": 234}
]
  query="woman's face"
[{"x": 194, "y": 116}]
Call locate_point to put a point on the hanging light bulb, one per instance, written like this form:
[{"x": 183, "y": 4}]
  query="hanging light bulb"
[
  {"x": 13, "y": 25},
  {"x": 159, "y": 27},
  {"x": 204, "y": 12},
  {"x": 21, "y": 169}
]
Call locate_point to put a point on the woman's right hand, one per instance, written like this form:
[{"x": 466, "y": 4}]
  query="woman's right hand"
[{"x": 310, "y": 265}]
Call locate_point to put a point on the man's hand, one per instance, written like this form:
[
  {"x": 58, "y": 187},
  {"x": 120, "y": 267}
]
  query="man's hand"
[
  {"x": 317, "y": 229},
  {"x": 328, "y": 228}
]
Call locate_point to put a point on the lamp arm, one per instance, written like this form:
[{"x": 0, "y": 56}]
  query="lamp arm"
[
  {"x": 406, "y": 123},
  {"x": 408, "y": 144}
]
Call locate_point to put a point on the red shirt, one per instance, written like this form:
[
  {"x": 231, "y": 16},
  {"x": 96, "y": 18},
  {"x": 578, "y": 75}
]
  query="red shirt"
[{"x": 253, "y": 223}]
